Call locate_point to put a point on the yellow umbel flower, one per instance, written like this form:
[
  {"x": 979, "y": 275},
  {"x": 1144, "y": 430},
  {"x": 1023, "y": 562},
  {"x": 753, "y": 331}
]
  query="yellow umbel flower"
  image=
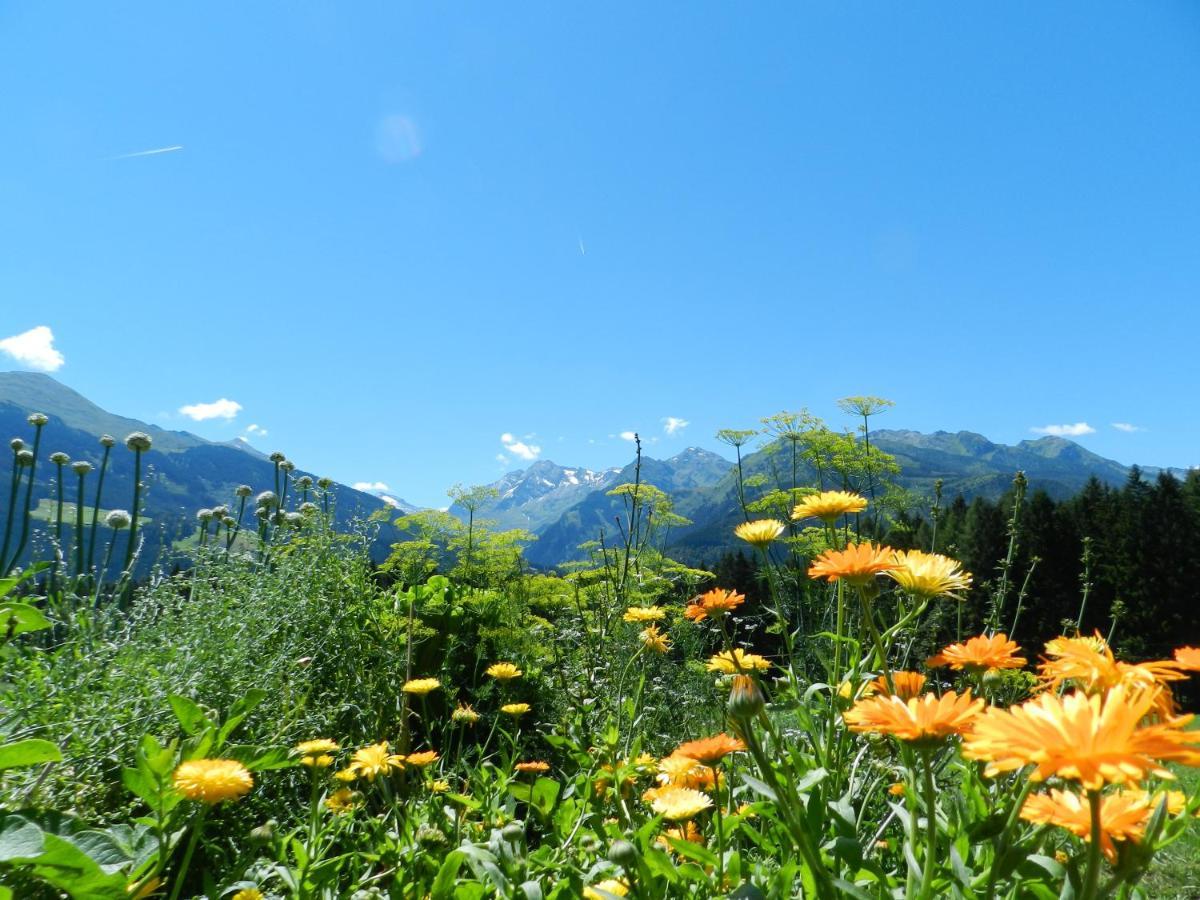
[
  {"x": 858, "y": 564},
  {"x": 731, "y": 662},
  {"x": 515, "y": 709},
  {"x": 375, "y": 760},
  {"x": 930, "y": 574},
  {"x": 927, "y": 719},
  {"x": 603, "y": 890},
  {"x": 1093, "y": 740},
  {"x": 760, "y": 533},
  {"x": 640, "y": 614},
  {"x": 504, "y": 671},
  {"x": 678, "y": 803},
  {"x": 464, "y": 715},
  {"x": 828, "y": 506},
  {"x": 979, "y": 654},
  {"x": 213, "y": 780},
  {"x": 421, "y": 686},
  {"x": 1123, "y": 814},
  {"x": 655, "y": 640},
  {"x": 340, "y": 801}
]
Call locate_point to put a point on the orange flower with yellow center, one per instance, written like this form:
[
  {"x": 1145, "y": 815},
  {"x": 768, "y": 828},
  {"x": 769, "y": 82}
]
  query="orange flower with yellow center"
[
  {"x": 1088, "y": 663},
  {"x": 858, "y": 564},
  {"x": 1188, "y": 658},
  {"x": 687, "y": 831},
  {"x": 1093, "y": 740},
  {"x": 714, "y": 604},
  {"x": 828, "y": 506},
  {"x": 421, "y": 759},
  {"x": 980, "y": 654},
  {"x": 930, "y": 574},
  {"x": 683, "y": 771},
  {"x": 906, "y": 685},
  {"x": 926, "y": 719},
  {"x": 710, "y": 750},
  {"x": 1123, "y": 814}
]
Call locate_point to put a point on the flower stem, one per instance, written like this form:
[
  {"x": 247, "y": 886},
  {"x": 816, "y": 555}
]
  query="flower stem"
[{"x": 1092, "y": 878}]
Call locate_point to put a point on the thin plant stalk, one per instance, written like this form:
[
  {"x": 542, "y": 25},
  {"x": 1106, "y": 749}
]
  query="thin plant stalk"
[
  {"x": 91, "y": 553},
  {"x": 133, "y": 512},
  {"x": 37, "y": 440}
]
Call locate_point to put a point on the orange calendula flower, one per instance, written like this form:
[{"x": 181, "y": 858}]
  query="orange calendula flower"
[
  {"x": 714, "y": 604},
  {"x": 710, "y": 750},
  {"x": 1188, "y": 658},
  {"x": 532, "y": 766},
  {"x": 731, "y": 662},
  {"x": 1123, "y": 814},
  {"x": 927, "y": 719},
  {"x": 686, "y": 831},
  {"x": 683, "y": 771},
  {"x": 655, "y": 640},
  {"x": 1088, "y": 663},
  {"x": 930, "y": 574},
  {"x": 896, "y": 789},
  {"x": 503, "y": 671},
  {"x": 760, "y": 533},
  {"x": 906, "y": 685},
  {"x": 858, "y": 564},
  {"x": 213, "y": 780},
  {"x": 1093, "y": 740},
  {"x": 828, "y": 506},
  {"x": 980, "y": 654},
  {"x": 641, "y": 614},
  {"x": 678, "y": 803},
  {"x": 421, "y": 759}
]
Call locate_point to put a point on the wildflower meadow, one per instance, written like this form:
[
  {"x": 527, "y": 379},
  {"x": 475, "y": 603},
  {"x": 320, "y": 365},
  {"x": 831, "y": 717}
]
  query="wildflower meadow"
[{"x": 272, "y": 714}]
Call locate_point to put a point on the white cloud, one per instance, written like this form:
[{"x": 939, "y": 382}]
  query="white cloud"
[
  {"x": 1079, "y": 428},
  {"x": 390, "y": 501},
  {"x": 256, "y": 430},
  {"x": 520, "y": 448},
  {"x": 502, "y": 459},
  {"x": 672, "y": 424},
  {"x": 218, "y": 409},
  {"x": 628, "y": 436},
  {"x": 35, "y": 349},
  {"x": 397, "y": 139},
  {"x": 370, "y": 486},
  {"x": 1126, "y": 427}
]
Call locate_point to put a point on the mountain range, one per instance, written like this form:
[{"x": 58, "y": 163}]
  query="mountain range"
[{"x": 563, "y": 506}]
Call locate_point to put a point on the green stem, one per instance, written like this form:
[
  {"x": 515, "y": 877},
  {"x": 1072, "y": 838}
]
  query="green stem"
[
  {"x": 12, "y": 508},
  {"x": 931, "y": 834},
  {"x": 37, "y": 439},
  {"x": 133, "y": 513},
  {"x": 91, "y": 554},
  {"x": 79, "y": 531},
  {"x": 1092, "y": 878},
  {"x": 193, "y": 839},
  {"x": 869, "y": 618}
]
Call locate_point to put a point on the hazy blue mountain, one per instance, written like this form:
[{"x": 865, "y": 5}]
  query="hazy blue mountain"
[{"x": 183, "y": 472}]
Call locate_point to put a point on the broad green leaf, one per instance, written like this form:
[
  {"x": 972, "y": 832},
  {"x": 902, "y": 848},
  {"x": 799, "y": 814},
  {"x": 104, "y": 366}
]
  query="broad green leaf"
[
  {"x": 19, "y": 839},
  {"x": 31, "y": 752},
  {"x": 443, "y": 883},
  {"x": 21, "y": 618},
  {"x": 191, "y": 717}
]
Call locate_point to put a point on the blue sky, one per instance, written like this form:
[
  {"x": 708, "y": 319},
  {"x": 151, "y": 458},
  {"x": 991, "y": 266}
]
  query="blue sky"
[{"x": 391, "y": 233}]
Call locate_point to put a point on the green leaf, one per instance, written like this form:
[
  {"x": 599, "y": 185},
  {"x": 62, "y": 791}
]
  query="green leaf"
[
  {"x": 29, "y": 752},
  {"x": 19, "y": 839},
  {"x": 20, "y": 618},
  {"x": 443, "y": 883},
  {"x": 191, "y": 717}
]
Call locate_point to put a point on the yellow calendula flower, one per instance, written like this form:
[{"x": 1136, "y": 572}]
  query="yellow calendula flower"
[
  {"x": 375, "y": 760},
  {"x": 213, "y": 780},
  {"x": 346, "y": 775},
  {"x": 340, "y": 801},
  {"x": 760, "y": 533},
  {"x": 731, "y": 662},
  {"x": 655, "y": 640},
  {"x": 678, "y": 803},
  {"x": 930, "y": 574},
  {"x": 641, "y": 614},
  {"x": 438, "y": 786},
  {"x": 504, "y": 671},
  {"x": 317, "y": 747},
  {"x": 421, "y": 686},
  {"x": 248, "y": 894},
  {"x": 604, "y": 890},
  {"x": 515, "y": 709},
  {"x": 828, "y": 506},
  {"x": 324, "y": 761}
]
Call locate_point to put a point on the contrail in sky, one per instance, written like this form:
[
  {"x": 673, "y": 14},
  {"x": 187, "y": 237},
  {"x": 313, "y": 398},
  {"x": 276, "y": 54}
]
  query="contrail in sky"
[{"x": 150, "y": 152}]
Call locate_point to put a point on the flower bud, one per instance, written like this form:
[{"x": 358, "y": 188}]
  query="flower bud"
[
  {"x": 267, "y": 499},
  {"x": 623, "y": 854},
  {"x": 81, "y": 467},
  {"x": 513, "y": 832},
  {"x": 263, "y": 834},
  {"x": 138, "y": 441},
  {"x": 17, "y": 445},
  {"x": 243, "y": 490},
  {"x": 746, "y": 698},
  {"x": 59, "y": 458},
  {"x": 25, "y": 458},
  {"x": 107, "y": 440},
  {"x": 37, "y": 420},
  {"x": 117, "y": 519},
  {"x": 287, "y": 465},
  {"x": 277, "y": 457}
]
